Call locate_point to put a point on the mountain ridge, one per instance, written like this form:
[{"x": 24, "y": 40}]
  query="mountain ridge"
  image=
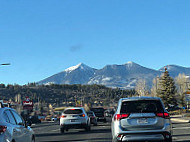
[{"x": 123, "y": 76}]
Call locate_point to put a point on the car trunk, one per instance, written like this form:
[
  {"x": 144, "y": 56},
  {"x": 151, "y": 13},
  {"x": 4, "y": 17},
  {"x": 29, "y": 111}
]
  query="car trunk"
[
  {"x": 142, "y": 115},
  {"x": 142, "y": 121},
  {"x": 73, "y": 116}
]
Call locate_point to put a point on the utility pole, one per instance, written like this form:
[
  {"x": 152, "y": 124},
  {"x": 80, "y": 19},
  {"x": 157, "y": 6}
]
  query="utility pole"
[{"x": 186, "y": 89}]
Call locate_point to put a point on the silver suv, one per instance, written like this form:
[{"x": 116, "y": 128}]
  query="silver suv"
[
  {"x": 13, "y": 128},
  {"x": 141, "y": 119},
  {"x": 74, "y": 117}
]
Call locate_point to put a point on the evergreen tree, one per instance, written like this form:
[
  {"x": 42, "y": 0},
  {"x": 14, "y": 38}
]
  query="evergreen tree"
[{"x": 167, "y": 89}]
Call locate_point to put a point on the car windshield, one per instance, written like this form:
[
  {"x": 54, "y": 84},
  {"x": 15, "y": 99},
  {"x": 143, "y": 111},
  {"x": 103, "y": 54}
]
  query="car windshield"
[
  {"x": 141, "y": 106},
  {"x": 96, "y": 110}
]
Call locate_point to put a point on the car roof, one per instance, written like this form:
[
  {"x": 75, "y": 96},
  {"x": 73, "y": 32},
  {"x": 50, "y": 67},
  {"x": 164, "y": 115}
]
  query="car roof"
[
  {"x": 5, "y": 108},
  {"x": 74, "y": 108},
  {"x": 140, "y": 98}
]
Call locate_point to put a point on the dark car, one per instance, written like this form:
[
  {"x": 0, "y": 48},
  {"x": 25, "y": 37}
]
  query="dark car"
[
  {"x": 34, "y": 119},
  {"x": 93, "y": 118},
  {"x": 99, "y": 112}
]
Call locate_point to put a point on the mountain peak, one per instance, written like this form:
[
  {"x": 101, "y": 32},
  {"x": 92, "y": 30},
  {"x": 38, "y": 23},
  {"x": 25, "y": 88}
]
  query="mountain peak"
[
  {"x": 130, "y": 64},
  {"x": 80, "y": 65}
]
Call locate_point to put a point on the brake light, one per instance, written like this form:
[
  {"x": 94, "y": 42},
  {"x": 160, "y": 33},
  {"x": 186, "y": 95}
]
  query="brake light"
[
  {"x": 63, "y": 116},
  {"x": 120, "y": 116},
  {"x": 3, "y": 129},
  {"x": 163, "y": 115},
  {"x": 83, "y": 115}
]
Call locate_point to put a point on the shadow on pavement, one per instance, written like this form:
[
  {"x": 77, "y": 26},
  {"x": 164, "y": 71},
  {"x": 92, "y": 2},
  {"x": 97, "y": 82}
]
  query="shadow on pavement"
[
  {"x": 74, "y": 133},
  {"x": 181, "y": 135},
  {"x": 81, "y": 140}
]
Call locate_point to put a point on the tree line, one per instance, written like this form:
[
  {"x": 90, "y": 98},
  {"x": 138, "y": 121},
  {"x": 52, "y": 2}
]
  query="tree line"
[
  {"x": 60, "y": 95},
  {"x": 172, "y": 91}
]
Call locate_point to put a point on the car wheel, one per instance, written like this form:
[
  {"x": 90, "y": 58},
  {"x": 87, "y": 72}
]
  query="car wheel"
[
  {"x": 168, "y": 140},
  {"x": 33, "y": 139},
  {"x": 105, "y": 121},
  {"x": 88, "y": 128},
  {"x": 95, "y": 124},
  {"x": 114, "y": 140},
  {"x": 62, "y": 130}
]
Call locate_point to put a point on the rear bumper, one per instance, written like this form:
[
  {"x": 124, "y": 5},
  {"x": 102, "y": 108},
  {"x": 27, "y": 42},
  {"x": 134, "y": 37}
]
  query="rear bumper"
[
  {"x": 101, "y": 119},
  {"x": 159, "y": 136},
  {"x": 73, "y": 126}
]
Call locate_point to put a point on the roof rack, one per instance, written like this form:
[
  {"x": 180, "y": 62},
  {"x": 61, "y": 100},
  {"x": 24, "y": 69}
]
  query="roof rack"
[{"x": 1, "y": 105}]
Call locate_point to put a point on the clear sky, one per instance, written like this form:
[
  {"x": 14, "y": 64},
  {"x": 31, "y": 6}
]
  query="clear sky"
[{"x": 43, "y": 37}]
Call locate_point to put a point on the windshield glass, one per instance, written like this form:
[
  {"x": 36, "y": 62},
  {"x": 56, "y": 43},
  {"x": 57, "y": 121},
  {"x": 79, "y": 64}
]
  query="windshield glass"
[
  {"x": 140, "y": 106},
  {"x": 73, "y": 111}
]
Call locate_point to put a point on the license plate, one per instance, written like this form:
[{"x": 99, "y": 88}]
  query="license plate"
[
  {"x": 73, "y": 120},
  {"x": 142, "y": 121}
]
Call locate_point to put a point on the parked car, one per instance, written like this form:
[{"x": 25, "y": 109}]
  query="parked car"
[
  {"x": 13, "y": 128},
  {"x": 99, "y": 112},
  {"x": 74, "y": 117},
  {"x": 93, "y": 118},
  {"x": 141, "y": 119},
  {"x": 54, "y": 119}
]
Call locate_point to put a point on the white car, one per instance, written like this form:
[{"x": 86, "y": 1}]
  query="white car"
[
  {"x": 13, "y": 128},
  {"x": 74, "y": 117}
]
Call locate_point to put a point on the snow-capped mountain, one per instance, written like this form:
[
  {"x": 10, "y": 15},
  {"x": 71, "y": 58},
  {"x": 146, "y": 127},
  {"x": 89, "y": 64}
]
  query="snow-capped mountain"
[
  {"x": 123, "y": 76},
  {"x": 174, "y": 70},
  {"x": 78, "y": 74}
]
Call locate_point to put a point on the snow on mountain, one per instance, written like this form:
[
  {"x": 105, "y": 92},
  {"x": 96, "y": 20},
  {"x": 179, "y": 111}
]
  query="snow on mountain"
[
  {"x": 122, "y": 76},
  {"x": 78, "y": 74},
  {"x": 174, "y": 70},
  {"x": 79, "y": 66}
]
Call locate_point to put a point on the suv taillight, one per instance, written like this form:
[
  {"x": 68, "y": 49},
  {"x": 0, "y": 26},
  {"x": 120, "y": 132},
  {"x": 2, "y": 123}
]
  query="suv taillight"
[
  {"x": 3, "y": 129},
  {"x": 63, "y": 116},
  {"x": 120, "y": 116},
  {"x": 163, "y": 115},
  {"x": 83, "y": 115}
]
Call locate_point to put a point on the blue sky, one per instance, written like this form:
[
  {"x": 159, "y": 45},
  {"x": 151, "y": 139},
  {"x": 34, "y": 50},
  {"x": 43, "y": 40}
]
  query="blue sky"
[{"x": 41, "y": 38}]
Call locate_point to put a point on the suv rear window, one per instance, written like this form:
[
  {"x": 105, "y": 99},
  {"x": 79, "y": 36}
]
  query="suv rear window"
[
  {"x": 95, "y": 110},
  {"x": 73, "y": 111},
  {"x": 140, "y": 106}
]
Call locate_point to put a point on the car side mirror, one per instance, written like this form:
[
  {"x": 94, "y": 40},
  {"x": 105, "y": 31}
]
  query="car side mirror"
[{"x": 28, "y": 123}]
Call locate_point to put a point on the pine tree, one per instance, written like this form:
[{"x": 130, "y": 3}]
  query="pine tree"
[{"x": 167, "y": 89}]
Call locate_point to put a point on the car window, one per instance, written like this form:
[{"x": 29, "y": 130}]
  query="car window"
[
  {"x": 10, "y": 117},
  {"x": 18, "y": 118},
  {"x": 73, "y": 111},
  {"x": 6, "y": 118},
  {"x": 98, "y": 110},
  {"x": 146, "y": 106}
]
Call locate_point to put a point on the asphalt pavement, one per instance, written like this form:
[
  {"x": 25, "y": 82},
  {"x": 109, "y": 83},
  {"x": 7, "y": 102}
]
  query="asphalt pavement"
[{"x": 50, "y": 132}]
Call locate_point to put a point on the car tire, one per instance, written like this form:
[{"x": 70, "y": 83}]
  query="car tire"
[
  {"x": 33, "y": 139},
  {"x": 88, "y": 128},
  {"x": 105, "y": 121},
  {"x": 114, "y": 140},
  {"x": 62, "y": 130},
  {"x": 95, "y": 124},
  {"x": 168, "y": 140}
]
